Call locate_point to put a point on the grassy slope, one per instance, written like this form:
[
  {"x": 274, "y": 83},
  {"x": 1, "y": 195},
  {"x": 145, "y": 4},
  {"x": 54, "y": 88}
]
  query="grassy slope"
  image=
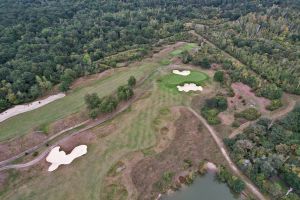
[
  {"x": 72, "y": 103},
  {"x": 186, "y": 47},
  {"x": 135, "y": 131},
  {"x": 85, "y": 178}
]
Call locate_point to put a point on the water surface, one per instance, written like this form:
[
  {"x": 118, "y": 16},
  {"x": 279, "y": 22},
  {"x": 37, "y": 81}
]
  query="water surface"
[{"x": 203, "y": 188}]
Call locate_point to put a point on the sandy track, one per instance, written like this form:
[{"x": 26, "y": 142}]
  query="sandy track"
[
  {"x": 232, "y": 165},
  {"x": 273, "y": 116},
  {"x": 29, "y": 107}
]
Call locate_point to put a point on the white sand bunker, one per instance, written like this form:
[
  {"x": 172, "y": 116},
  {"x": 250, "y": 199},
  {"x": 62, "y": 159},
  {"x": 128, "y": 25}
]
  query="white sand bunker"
[
  {"x": 189, "y": 87},
  {"x": 182, "y": 73},
  {"x": 28, "y": 107},
  {"x": 57, "y": 158}
]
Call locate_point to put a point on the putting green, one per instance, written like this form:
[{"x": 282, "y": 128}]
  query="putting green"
[
  {"x": 186, "y": 47},
  {"x": 172, "y": 80}
]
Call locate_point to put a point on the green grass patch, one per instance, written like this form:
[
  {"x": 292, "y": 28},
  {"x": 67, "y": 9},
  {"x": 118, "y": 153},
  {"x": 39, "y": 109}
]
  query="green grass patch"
[
  {"x": 165, "y": 62},
  {"x": 72, "y": 103},
  {"x": 172, "y": 80},
  {"x": 186, "y": 47}
]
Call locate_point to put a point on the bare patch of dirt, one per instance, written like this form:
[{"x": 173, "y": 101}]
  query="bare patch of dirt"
[
  {"x": 245, "y": 98},
  {"x": 226, "y": 118},
  {"x": 3, "y": 177},
  {"x": 20, "y": 144},
  {"x": 192, "y": 141}
]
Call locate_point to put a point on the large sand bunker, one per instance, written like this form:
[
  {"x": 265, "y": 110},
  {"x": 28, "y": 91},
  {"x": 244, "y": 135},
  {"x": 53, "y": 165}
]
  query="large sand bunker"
[
  {"x": 182, "y": 73},
  {"x": 189, "y": 87},
  {"x": 57, "y": 158},
  {"x": 28, "y": 107}
]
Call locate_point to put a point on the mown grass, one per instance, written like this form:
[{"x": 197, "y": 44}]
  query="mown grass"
[
  {"x": 172, "y": 80},
  {"x": 85, "y": 178},
  {"x": 135, "y": 131},
  {"x": 72, "y": 103},
  {"x": 186, "y": 47}
]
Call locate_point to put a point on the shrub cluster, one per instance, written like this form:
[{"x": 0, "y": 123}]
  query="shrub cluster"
[
  {"x": 250, "y": 114},
  {"x": 235, "y": 184},
  {"x": 108, "y": 104},
  {"x": 212, "y": 108}
]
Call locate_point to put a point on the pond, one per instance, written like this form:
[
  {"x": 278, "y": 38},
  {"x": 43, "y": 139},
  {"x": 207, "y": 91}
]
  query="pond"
[{"x": 203, "y": 188}]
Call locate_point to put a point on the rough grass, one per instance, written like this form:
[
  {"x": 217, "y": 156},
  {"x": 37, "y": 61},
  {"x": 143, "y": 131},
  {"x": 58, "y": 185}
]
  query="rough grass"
[
  {"x": 72, "y": 103},
  {"x": 85, "y": 178},
  {"x": 165, "y": 62},
  {"x": 172, "y": 80},
  {"x": 186, "y": 47},
  {"x": 115, "y": 192}
]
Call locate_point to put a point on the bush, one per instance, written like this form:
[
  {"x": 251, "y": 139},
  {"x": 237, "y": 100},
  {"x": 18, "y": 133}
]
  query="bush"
[
  {"x": 219, "y": 76},
  {"x": 94, "y": 113},
  {"x": 250, "y": 114},
  {"x": 186, "y": 57},
  {"x": 92, "y": 101},
  {"x": 108, "y": 104},
  {"x": 236, "y": 184},
  {"x": 270, "y": 91},
  {"x": 205, "y": 63},
  {"x": 212, "y": 108},
  {"x": 211, "y": 115},
  {"x": 131, "y": 81},
  {"x": 218, "y": 102},
  {"x": 124, "y": 93},
  {"x": 275, "y": 104},
  {"x": 227, "y": 64}
]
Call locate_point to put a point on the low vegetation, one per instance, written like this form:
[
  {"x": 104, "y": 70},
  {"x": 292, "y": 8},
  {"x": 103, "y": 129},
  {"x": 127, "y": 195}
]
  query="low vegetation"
[
  {"x": 234, "y": 183},
  {"x": 185, "y": 48},
  {"x": 212, "y": 108},
  {"x": 165, "y": 182},
  {"x": 109, "y": 103},
  {"x": 249, "y": 114},
  {"x": 274, "y": 105},
  {"x": 219, "y": 76},
  {"x": 172, "y": 80}
]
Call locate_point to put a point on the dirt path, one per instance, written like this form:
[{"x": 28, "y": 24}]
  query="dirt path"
[
  {"x": 92, "y": 125},
  {"x": 5, "y": 164},
  {"x": 232, "y": 165},
  {"x": 273, "y": 116}
]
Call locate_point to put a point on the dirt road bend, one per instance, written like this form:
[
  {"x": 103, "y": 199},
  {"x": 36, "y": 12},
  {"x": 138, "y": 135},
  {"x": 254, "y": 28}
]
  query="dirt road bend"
[
  {"x": 273, "y": 116},
  {"x": 255, "y": 191}
]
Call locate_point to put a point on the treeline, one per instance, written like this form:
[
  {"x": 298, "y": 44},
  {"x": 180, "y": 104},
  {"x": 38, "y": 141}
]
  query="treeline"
[
  {"x": 267, "y": 41},
  {"x": 108, "y": 104},
  {"x": 268, "y": 152},
  {"x": 208, "y": 57},
  {"x": 45, "y": 43}
]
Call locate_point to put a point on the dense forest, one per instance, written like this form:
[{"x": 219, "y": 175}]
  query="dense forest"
[
  {"x": 268, "y": 152},
  {"x": 267, "y": 42},
  {"x": 46, "y": 43}
]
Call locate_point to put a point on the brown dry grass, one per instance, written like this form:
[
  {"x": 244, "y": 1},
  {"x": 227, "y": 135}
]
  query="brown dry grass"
[{"x": 192, "y": 142}]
